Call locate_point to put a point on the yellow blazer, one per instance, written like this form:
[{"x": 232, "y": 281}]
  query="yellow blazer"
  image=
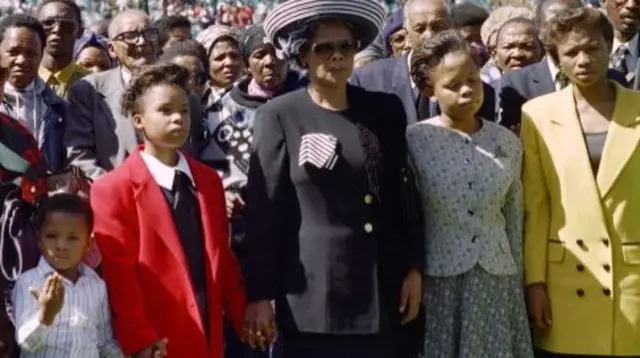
[{"x": 582, "y": 233}]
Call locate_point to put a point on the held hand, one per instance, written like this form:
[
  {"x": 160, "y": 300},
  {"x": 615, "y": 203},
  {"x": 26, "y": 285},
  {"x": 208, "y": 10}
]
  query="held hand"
[
  {"x": 411, "y": 296},
  {"x": 50, "y": 299},
  {"x": 539, "y": 306},
  {"x": 260, "y": 325},
  {"x": 235, "y": 204},
  {"x": 156, "y": 350}
]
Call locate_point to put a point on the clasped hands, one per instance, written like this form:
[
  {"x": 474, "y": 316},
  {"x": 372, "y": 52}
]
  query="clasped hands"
[{"x": 260, "y": 329}]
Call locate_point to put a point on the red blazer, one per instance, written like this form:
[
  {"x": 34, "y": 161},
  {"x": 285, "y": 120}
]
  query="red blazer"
[{"x": 145, "y": 268}]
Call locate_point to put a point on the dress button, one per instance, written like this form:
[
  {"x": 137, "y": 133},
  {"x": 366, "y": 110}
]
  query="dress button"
[
  {"x": 467, "y": 160},
  {"x": 605, "y": 241},
  {"x": 580, "y": 292},
  {"x": 368, "y": 199},
  {"x": 470, "y": 185},
  {"x": 580, "y": 267},
  {"x": 606, "y": 267},
  {"x": 473, "y": 239},
  {"x": 32, "y": 189},
  {"x": 606, "y": 291},
  {"x": 470, "y": 212},
  {"x": 580, "y": 242},
  {"x": 368, "y": 228}
]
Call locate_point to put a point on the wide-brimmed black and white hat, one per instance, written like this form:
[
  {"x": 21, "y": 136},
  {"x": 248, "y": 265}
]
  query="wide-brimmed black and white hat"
[{"x": 364, "y": 16}]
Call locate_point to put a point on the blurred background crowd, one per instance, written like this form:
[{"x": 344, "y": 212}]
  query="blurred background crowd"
[{"x": 201, "y": 13}]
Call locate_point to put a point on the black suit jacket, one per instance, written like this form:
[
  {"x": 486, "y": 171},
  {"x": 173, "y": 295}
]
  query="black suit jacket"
[
  {"x": 307, "y": 245},
  {"x": 391, "y": 75},
  {"x": 517, "y": 87}
]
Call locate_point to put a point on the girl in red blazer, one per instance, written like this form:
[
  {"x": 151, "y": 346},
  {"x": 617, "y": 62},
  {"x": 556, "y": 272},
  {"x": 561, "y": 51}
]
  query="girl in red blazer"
[{"x": 160, "y": 223}]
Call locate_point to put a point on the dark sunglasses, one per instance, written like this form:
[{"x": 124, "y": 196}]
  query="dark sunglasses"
[
  {"x": 327, "y": 49},
  {"x": 132, "y": 37},
  {"x": 66, "y": 25}
]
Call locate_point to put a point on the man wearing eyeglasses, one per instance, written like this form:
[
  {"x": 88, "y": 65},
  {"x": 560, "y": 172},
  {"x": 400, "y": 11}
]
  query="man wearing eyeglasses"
[
  {"x": 98, "y": 136},
  {"x": 62, "y": 22}
]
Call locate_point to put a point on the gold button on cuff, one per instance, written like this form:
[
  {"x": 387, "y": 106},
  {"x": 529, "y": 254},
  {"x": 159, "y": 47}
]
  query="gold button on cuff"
[{"x": 368, "y": 228}]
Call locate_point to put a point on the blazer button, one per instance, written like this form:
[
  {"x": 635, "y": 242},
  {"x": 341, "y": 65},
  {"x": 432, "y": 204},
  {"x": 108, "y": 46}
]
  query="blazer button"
[
  {"x": 368, "y": 228},
  {"x": 580, "y": 292},
  {"x": 606, "y": 267},
  {"x": 605, "y": 241},
  {"x": 580, "y": 267},
  {"x": 368, "y": 199},
  {"x": 607, "y": 292}
]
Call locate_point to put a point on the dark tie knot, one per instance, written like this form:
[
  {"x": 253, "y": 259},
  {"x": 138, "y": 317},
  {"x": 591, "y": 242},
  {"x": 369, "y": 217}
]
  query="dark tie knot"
[
  {"x": 562, "y": 79},
  {"x": 181, "y": 181}
]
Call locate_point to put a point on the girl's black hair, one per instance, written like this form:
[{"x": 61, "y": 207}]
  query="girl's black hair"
[
  {"x": 430, "y": 53},
  {"x": 64, "y": 203},
  {"x": 167, "y": 74}
]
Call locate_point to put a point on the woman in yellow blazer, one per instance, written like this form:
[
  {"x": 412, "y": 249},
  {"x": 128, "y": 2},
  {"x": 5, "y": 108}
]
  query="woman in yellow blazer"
[{"x": 581, "y": 180}]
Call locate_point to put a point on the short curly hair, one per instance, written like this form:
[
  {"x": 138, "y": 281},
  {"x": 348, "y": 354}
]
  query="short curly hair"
[
  {"x": 26, "y": 21},
  {"x": 70, "y": 3},
  {"x": 583, "y": 18},
  {"x": 430, "y": 53},
  {"x": 156, "y": 75},
  {"x": 188, "y": 47}
]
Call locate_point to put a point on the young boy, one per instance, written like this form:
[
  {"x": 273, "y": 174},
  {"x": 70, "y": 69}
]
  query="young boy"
[
  {"x": 61, "y": 306},
  {"x": 162, "y": 230}
]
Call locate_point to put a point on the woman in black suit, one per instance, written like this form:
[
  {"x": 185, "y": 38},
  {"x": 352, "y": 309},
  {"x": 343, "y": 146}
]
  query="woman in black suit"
[{"x": 330, "y": 236}]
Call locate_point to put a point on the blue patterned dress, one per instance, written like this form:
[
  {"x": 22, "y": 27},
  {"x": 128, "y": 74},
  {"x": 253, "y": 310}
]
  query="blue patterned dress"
[{"x": 472, "y": 195}]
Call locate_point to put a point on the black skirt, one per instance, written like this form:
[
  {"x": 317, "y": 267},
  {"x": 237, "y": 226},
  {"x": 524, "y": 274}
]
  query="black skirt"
[{"x": 311, "y": 345}]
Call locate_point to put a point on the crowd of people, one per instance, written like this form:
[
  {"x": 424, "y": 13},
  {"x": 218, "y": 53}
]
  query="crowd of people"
[{"x": 441, "y": 182}]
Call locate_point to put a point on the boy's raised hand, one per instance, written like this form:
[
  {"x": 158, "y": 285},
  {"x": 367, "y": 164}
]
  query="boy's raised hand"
[{"x": 50, "y": 298}]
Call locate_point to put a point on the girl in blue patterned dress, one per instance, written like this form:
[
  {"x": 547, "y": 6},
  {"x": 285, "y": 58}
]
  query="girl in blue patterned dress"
[{"x": 468, "y": 173}]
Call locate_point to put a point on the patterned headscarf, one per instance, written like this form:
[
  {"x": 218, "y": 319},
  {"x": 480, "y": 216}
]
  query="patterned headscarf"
[{"x": 209, "y": 36}]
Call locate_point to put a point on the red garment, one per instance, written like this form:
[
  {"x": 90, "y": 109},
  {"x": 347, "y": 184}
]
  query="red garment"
[
  {"x": 17, "y": 138},
  {"x": 145, "y": 268}
]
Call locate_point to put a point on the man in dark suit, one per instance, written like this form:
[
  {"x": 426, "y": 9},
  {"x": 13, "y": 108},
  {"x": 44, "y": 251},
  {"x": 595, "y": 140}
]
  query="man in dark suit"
[
  {"x": 98, "y": 136},
  {"x": 422, "y": 19},
  {"x": 517, "y": 87},
  {"x": 625, "y": 52}
]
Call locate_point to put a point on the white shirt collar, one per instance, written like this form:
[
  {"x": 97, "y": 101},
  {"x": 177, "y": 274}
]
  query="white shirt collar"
[
  {"x": 126, "y": 75},
  {"x": 164, "y": 174},
  {"x": 11, "y": 88},
  {"x": 413, "y": 84},
  {"x": 632, "y": 45},
  {"x": 553, "y": 69},
  {"x": 44, "y": 269}
]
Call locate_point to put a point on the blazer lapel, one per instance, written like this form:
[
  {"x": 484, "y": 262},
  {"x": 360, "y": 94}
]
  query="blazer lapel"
[
  {"x": 541, "y": 77},
  {"x": 149, "y": 196},
  {"x": 112, "y": 90},
  {"x": 622, "y": 140},
  {"x": 573, "y": 150},
  {"x": 401, "y": 80}
]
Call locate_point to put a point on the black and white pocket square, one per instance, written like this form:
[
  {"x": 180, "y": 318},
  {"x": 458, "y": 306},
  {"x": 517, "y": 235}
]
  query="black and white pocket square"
[{"x": 318, "y": 150}]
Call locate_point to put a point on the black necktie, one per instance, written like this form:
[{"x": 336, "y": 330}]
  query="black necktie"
[
  {"x": 187, "y": 219},
  {"x": 619, "y": 60},
  {"x": 562, "y": 80}
]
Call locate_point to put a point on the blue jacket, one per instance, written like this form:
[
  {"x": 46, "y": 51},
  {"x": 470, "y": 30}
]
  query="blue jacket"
[{"x": 52, "y": 116}]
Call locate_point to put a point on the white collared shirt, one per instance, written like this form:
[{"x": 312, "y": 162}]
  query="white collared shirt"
[
  {"x": 164, "y": 174},
  {"x": 81, "y": 329},
  {"x": 413, "y": 84},
  {"x": 632, "y": 45},
  {"x": 554, "y": 73},
  {"x": 126, "y": 75}
]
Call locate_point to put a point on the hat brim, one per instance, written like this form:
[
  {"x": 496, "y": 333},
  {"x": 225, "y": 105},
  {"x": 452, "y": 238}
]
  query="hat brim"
[
  {"x": 365, "y": 17},
  {"x": 363, "y": 30}
]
